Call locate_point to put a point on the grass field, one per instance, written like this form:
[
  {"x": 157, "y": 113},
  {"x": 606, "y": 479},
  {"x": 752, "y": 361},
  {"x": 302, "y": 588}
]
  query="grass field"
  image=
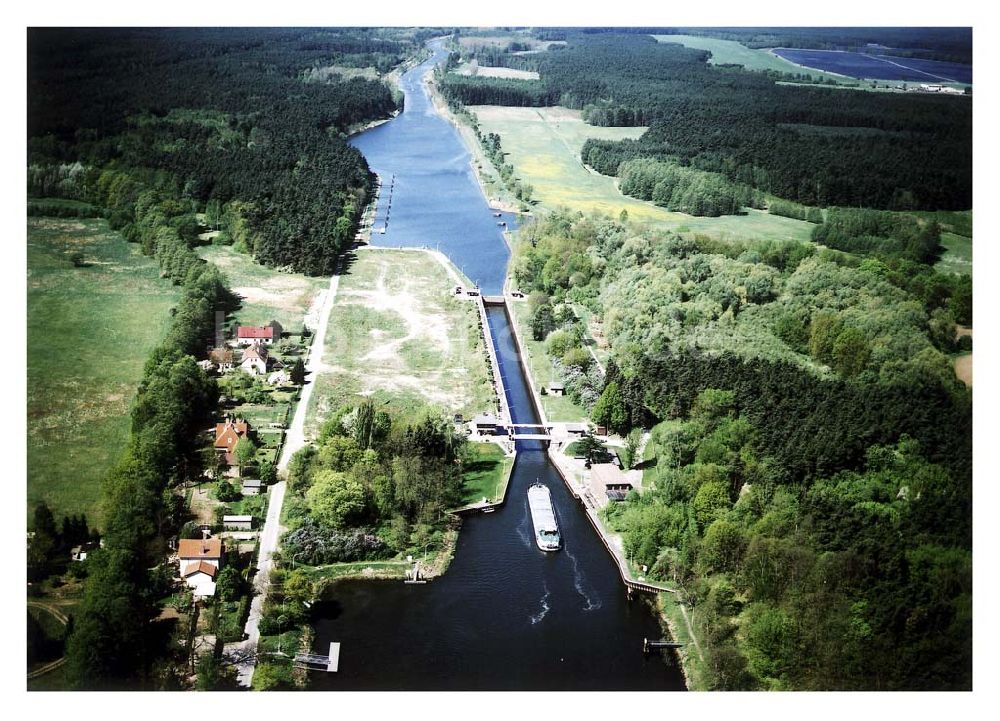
[
  {"x": 488, "y": 72},
  {"x": 725, "y": 52},
  {"x": 957, "y": 257},
  {"x": 485, "y": 472},
  {"x": 90, "y": 331},
  {"x": 543, "y": 145},
  {"x": 398, "y": 334},
  {"x": 557, "y": 408},
  {"x": 267, "y": 294}
]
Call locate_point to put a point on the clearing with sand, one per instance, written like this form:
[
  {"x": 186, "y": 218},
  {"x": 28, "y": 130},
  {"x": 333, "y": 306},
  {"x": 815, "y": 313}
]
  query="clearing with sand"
[
  {"x": 397, "y": 333},
  {"x": 267, "y": 294}
]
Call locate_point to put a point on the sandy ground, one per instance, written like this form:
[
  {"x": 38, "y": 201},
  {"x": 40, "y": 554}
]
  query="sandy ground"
[
  {"x": 963, "y": 364},
  {"x": 488, "y": 72},
  {"x": 963, "y": 369},
  {"x": 386, "y": 368}
]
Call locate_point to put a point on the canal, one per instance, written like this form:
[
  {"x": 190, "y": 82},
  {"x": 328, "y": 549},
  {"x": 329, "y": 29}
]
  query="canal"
[{"x": 505, "y": 616}]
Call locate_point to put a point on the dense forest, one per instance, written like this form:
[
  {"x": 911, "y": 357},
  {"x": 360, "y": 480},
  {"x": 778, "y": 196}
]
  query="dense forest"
[
  {"x": 916, "y": 153},
  {"x": 229, "y": 115},
  {"x": 808, "y": 425}
]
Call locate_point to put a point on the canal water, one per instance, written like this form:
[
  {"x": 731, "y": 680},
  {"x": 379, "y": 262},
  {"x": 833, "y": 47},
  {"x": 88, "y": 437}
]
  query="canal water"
[
  {"x": 505, "y": 616},
  {"x": 430, "y": 196}
]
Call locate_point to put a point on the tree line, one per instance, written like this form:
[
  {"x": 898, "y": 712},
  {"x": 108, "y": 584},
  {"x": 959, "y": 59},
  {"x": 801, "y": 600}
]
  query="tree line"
[
  {"x": 685, "y": 190},
  {"x": 112, "y": 645}
]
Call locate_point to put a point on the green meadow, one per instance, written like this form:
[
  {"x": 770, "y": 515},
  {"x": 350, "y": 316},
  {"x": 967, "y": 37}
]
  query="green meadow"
[
  {"x": 957, "y": 256},
  {"x": 730, "y": 52},
  {"x": 543, "y": 145},
  {"x": 90, "y": 331}
]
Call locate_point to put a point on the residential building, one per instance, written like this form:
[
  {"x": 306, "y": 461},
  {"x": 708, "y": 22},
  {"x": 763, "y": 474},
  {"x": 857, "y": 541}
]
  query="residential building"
[
  {"x": 263, "y": 335},
  {"x": 200, "y": 560}
]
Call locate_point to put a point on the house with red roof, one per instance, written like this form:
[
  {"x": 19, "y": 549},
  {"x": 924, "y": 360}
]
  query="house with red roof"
[
  {"x": 200, "y": 560},
  {"x": 263, "y": 334},
  {"x": 227, "y": 435}
]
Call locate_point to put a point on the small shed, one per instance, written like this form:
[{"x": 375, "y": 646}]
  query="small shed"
[
  {"x": 576, "y": 429},
  {"x": 238, "y": 523},
  {"x": 485, "y": 423},
  {"x": 252, "y": 486},
  {"x": 608, "y": 483}
]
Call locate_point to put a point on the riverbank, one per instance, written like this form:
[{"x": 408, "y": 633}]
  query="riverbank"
[
  {"x": 502, "y": 200},
  {"x": 358, "y": 128}
]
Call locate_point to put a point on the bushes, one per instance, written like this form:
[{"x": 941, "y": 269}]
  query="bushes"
[{"x": 314, "y": 545}]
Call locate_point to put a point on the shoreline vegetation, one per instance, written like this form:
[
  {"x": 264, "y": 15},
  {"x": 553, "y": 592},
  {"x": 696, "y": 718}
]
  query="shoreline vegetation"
[{"x": 497, "y": 200}]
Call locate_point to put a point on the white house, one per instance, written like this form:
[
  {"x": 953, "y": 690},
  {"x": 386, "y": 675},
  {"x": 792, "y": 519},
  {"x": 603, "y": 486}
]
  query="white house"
[
  {"x": 255, "y": 360},
  {"x": 200, "y": 560}
]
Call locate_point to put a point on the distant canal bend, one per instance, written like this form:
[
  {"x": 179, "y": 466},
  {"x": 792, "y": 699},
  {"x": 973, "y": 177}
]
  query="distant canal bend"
[{"x": 505, "y": 616}]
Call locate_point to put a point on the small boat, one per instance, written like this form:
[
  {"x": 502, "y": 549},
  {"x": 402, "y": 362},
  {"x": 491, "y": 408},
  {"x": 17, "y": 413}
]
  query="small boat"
[
  {"x": 543, "y": 517},
  {"x": 496, "y": 215}
]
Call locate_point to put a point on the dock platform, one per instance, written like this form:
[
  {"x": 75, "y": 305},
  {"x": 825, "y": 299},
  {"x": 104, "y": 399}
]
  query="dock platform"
[{"x": 318, "y": 662}]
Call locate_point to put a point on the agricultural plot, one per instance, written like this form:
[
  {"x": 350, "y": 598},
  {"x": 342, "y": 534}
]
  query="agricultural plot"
[
  {"x": 397, "y": 334},
  {"x": 543, "y": 145},
  {"x": 90, "y": 331},
  {"x": 267, "y": 294},
  {"x": 487, "y": 72},
  {"x": 730, "y": 52},
  {"x": 879, "y": 67}
]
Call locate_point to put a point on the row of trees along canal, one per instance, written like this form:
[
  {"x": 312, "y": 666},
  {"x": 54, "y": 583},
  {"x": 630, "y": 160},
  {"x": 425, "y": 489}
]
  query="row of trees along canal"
[
  {"x": 809, "y": 474},
  {"x": 152, "y": 126}
]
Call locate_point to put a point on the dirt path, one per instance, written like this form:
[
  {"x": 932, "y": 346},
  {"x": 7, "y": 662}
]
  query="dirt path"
[
  {"x": 63, "y": 619},
  {"x": 294, "y": 440}
]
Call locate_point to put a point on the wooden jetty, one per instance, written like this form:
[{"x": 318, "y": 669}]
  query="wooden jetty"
[
  {"x": 317, "y": 662},
  {"x": 650, "y": 646}
]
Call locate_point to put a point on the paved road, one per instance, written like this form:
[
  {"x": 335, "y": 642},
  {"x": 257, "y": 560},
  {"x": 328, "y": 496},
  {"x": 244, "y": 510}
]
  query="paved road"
[{"x": 294, "y": 440}]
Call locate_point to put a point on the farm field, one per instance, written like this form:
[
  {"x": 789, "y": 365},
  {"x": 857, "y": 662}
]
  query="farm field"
[
  {"x": 731, "y": 52},
  {"x": 543, "y": 145},
  {"x": 267, "y": 294},
  {"x": 90, "y": 331},
  {"x": 860, "y": 65},
  {"x": 398, "y": 334},
  {"x": 488, "y": 72}
]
